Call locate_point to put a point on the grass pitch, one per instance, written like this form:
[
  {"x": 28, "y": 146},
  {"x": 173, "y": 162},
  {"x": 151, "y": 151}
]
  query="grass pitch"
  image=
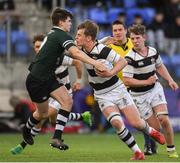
[{"x": 83, "y": 148}]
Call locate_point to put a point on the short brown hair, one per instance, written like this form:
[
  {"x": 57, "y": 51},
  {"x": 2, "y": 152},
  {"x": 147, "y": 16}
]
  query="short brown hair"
[
  {"x": 60, "y": 14},
  {"x": 117, "y": 22},
  {"x": 91, "y": 28},
  {"x": 39, "y": 37},
  {"x": 137, "y": 29}
]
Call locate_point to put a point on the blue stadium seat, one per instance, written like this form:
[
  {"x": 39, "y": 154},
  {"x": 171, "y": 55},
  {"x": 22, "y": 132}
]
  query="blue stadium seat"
[
  {"x": 165, "y": 59},
  {"x": 3, "y": 47},
  {"x": 103, "y": 33},
  {"x": 22, "y": 48},
  {"x": 176, "y": 59},
  {"x": 98, "y": 15},
  {"x": 113, "y": 13},
  {"x": 129, "y": 3},
  {"x": 131, "y": 13},
  {"x": 148, "y": 15},
  {"x": 19, "y": 36},
  {"x": 2, "y": 35}
]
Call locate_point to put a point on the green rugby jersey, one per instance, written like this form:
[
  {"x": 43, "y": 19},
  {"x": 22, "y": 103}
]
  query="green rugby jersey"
[{"x": 51, "y": 54}]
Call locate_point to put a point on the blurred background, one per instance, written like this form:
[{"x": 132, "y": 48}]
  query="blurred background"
[{"x": 20, "y": 20}]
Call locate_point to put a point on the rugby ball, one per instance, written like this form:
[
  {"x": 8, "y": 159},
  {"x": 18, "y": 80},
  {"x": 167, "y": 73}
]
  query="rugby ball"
[{"x": 108, "y": 64}]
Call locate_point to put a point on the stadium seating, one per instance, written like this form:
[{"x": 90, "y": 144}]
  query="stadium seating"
[
  {"x": 129, "y": 3},
  {"x": 17, "y": 36},
  {"x": 148, "y": 15},
  {"x": 3, "y": 48},
  {"x": 98, "y": 15},
  {"x": 22, "y": 48},
  {"x": 3, "y": 43},
  {"x": 113, "y": 14}
]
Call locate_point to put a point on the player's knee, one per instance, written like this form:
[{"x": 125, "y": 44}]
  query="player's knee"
[
  {"x": 163, "y": 119},
  {"x": 44, "y": 115},
  {"x": 115, "y": 120}
]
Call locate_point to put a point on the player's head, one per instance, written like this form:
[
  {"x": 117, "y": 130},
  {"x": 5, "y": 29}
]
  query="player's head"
[
  {"x": 61, "y": 18},
  {"x": 86, "y": 32},
  {"x": 137, "y": 33},
  {"x": 119, "y": 30},
  {"x": 37, "y": 41}
]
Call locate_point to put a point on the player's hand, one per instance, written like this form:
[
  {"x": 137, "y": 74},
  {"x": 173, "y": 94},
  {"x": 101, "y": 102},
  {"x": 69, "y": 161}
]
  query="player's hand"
[
  {"x": 100, "y": 66},
  {"x": 173, "y": 85},
  {"x": 109, "y": 40},
  {"x": 76, "y": 86},
  {"x": 104, "y": 74},
  {"x": 151, "y": 80}
]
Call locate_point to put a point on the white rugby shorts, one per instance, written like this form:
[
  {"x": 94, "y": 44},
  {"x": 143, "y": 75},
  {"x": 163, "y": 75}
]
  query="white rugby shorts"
[
  {"x": 145, "y": 102},
  {"x": 117, "y": 97}
]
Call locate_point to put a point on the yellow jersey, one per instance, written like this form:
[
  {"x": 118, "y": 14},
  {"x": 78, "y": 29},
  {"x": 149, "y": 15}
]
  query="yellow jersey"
[{"x": 122, "y": 50}]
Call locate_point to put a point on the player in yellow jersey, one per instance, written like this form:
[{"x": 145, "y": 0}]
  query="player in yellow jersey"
[{"x": 122, "y": 44}]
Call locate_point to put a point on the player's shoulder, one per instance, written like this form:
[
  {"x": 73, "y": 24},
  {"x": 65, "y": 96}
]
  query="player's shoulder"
[
  {"x": 152, "y": 49},
  {"x": 101, "y": 47},
  {"x": 131, "y": 53}
]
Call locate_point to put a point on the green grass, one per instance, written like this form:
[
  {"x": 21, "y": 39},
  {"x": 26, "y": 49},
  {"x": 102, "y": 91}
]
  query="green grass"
[{"x": 83, "y": 148}]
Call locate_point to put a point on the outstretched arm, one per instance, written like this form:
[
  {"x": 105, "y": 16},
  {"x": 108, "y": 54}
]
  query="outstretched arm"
[{"x": 163, "y": 72}]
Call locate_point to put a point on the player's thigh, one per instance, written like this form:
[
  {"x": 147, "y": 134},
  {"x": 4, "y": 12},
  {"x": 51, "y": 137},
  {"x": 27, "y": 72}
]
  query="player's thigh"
[
  {"x": 110, "y": 109},
  {"x": 62, "y": 96},
  {"x": 160, "y": 109},
  {"x": 132, "y": 115}
]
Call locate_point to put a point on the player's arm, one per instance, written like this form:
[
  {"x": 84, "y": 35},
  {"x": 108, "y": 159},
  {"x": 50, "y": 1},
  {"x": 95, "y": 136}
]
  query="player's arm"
[
  {"x": 131, "y": 82},
  {"x": 163, "y": 72},
  {"x": 78, "y": 66},
  {"x": 80, "y": 55}
]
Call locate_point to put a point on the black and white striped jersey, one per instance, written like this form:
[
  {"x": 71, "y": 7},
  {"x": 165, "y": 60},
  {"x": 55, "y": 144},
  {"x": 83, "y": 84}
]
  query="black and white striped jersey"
[
  {"x": 62, "y": 73},
  {"x": 99, "y": 84},
  {"x": 142, "y": 68}
]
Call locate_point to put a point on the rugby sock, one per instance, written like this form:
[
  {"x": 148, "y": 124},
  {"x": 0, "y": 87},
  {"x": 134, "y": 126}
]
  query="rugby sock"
[
  {"x": 23, "y": 144},
  {"x": 147, "y": 129},
  {"x": 61, "y": 121},
  {"x": 147, "y": 139},
  {"x": 35, "y": 131},
  {"x": 128, "y": 139},
  {"x": 75, "y": 116},
  {"x": 170, "y": 148},
  {"x": 31, "y": 122}
]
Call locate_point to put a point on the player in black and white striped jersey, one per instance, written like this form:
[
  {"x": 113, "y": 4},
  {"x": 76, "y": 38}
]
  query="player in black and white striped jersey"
[
  {"x": 110, "y": 92},
  {"x": 146, "y": 90}
]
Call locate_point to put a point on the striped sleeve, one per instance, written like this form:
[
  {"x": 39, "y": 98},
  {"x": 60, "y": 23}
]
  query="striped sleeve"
[
  {"x": 159, "y": 61},
  {"x": 66, "y": 41},
  {"x": 128, "y": 71}
]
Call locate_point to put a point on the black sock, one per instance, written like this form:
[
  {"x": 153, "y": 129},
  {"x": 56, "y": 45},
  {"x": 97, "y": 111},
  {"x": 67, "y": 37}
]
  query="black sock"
[{"x": 23, "y": 144}]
